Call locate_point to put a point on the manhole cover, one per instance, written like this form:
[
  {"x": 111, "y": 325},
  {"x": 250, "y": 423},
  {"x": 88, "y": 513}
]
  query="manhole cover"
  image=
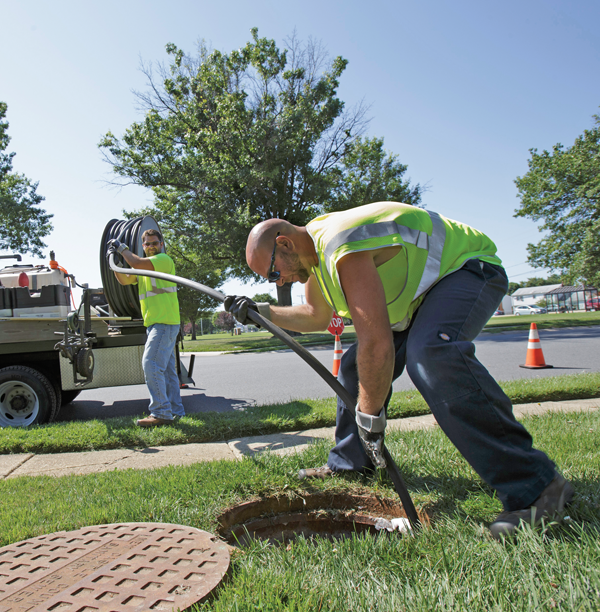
[
  {"x": 325, "y": 515},
  {"x": 133, "y": 567}
]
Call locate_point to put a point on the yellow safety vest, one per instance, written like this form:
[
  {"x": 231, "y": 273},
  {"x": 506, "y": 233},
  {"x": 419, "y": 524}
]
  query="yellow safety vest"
[
  {"x": 158, "y": 298},
  {"x": 433, "y": 247}
]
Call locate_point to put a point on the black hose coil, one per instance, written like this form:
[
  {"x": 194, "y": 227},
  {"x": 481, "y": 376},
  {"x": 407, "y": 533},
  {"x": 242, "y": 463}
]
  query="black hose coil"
[{"x": 123, "y": 299}]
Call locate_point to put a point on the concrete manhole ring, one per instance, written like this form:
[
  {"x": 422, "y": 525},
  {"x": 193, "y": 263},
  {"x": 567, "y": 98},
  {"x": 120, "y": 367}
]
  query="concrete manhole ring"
[
  {"x": 138, "y": 567},
  {"x": 326, "y": 515}
]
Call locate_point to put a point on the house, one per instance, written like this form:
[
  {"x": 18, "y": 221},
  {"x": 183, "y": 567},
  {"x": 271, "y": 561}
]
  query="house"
[{"x": 530, "y": 296}]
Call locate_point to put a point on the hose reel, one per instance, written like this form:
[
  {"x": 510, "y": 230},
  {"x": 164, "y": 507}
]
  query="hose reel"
[{"x": 123, "y": 299}]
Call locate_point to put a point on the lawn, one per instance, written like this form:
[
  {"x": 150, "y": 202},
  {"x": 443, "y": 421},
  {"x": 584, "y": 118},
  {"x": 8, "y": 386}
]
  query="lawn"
[
  {"x": 264, "y": 341},
  {"x": 452, "y": 565},
  {"x": 258, "y": 341},
  {"x": 122, "y": 432},
  {"x": 546, "y": 321}
]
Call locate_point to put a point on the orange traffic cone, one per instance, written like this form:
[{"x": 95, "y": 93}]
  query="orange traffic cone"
[
  {"x": 337, "y": 355},
  {"x": 535, "y": 356}
]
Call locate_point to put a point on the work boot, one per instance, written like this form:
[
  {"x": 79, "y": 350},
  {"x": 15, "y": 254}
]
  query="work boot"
[
  {"x": 548, "y": 505},
  {"x": 152, "y": 421},
  {"x": 322, "y": 472}
]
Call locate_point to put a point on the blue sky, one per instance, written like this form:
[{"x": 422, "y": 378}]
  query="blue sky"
[{"x": 459, "y": 90}]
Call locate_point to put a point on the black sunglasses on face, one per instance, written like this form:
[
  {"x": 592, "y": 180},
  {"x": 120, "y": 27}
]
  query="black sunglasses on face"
[{"x": 272, "y": 275}]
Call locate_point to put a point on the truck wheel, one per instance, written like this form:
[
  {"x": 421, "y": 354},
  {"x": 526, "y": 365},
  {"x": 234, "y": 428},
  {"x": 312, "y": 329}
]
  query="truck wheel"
[
  {"x": 69, "y": 396},
  {"x": 58, "y": 397},
  {"x": 26, "y": 397}
]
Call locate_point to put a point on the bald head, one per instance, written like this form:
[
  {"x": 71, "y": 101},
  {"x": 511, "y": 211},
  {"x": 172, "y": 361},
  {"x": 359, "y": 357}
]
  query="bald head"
[
  {"x": 291, "y": 240},
  {"x": 261, "y": 241}
]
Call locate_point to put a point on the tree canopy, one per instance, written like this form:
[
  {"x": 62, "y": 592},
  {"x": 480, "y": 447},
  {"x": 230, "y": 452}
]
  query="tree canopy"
[
  {"x": 229, "y": 140},
  {"x": 562, "y": 189},
  {"x": 265, "y": 298},
  {"x": 22, "y": 223},
  {"x": 223, "y": 320},
  {"x": 367, "y": 173},
  {"x": 193, "y": 305}
]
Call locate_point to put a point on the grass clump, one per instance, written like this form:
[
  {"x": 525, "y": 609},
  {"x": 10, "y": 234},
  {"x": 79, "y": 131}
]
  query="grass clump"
[
  {"x": 122, "y": 432},
  {"x": 451, "y": 565}
]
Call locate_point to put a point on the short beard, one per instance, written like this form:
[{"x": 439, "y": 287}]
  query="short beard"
[{"x": 296, "y": 268}]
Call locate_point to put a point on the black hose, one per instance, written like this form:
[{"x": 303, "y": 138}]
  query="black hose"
[
  {"x": 123, "y": 299},
  {"x": 315, "y": 364}
]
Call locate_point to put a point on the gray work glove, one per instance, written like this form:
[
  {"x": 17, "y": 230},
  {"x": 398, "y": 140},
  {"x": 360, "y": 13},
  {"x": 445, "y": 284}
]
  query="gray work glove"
[
  {"x": 116, "y": 247},
  {"x": 238, "y": 306},
  {"x": 371, "y": 430}
]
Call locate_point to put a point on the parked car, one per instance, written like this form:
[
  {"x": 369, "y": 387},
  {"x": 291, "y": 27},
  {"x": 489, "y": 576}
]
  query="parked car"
[
  {"x": 593, "y": 304},
  {"x": 498, "y": 313},
  {"x": 527, "y": 310}
]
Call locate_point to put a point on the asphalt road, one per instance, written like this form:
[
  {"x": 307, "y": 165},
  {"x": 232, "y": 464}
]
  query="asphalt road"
[{"x": 230, "y": 382}]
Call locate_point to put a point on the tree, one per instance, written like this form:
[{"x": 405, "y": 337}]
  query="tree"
[
  {"x": 367, "y": 174},
  {"x": 587, "y": 260},
  {"x": 229, "y": 140},
  {"x": 264, "y": 297},
  {"x": 224, "y": 320},
  {"x": 22, "y": 224},
  {"x": 512, "y": 287},
  {"x": 537, "y": 281},
  {"x": 192, "y": 303},
  {"x": 205, "y": 321},
  {"x": 562, "y": 189}
]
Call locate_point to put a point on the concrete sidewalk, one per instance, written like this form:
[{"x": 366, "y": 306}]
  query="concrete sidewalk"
[{"x": 29, "y": 464}]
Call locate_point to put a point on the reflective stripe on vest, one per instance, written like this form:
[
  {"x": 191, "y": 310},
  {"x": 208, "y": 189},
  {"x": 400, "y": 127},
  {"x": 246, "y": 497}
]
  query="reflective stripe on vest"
[
  {"x": 156, "y": 290},
  {"x": 434, "y": 245}
]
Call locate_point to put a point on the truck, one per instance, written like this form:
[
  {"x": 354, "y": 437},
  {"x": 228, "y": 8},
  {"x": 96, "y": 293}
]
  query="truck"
[{"x": 51, "y": 350}]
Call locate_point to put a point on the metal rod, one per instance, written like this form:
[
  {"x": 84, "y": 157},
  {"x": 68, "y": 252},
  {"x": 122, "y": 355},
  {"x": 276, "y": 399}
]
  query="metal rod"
[{"x": 315, "y": 364}]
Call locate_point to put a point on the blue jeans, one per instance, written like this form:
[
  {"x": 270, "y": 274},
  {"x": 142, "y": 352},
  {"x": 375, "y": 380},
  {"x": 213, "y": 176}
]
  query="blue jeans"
[
  {"x": 468, "y": 404},
  {"x": 160, "y": 371}
]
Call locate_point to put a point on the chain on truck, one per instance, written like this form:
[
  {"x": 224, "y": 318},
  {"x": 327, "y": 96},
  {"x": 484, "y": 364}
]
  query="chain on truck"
[{"x": 51, "y": 351}]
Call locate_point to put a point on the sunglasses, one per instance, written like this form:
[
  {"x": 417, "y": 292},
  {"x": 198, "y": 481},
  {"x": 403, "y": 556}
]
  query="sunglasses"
[{"x": 273, "y": 275}]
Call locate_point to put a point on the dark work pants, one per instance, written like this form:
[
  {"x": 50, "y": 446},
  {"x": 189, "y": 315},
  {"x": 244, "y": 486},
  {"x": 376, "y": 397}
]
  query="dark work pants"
[{"x": 472, "y": 410}]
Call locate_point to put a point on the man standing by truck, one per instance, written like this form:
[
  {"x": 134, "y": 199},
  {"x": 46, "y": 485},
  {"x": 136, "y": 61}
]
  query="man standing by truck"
[
  {"x": 419, "y": 288},
  {"x": 160, "y": 309}
]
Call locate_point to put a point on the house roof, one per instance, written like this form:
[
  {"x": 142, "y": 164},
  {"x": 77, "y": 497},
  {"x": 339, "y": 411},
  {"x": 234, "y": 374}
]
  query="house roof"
[
  {"x": 543, "y": 289},
  {"x": 571, "y": 289}
]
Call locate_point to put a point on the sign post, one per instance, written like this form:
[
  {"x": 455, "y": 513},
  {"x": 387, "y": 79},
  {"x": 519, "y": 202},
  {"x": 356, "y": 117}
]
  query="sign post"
[{"x": 336, "y": 327}]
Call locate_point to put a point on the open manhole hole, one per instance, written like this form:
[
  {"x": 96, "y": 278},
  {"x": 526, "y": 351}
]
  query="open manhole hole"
[
  {"x": 138, "y": 567},
  {"x": 331, "y": 516}
]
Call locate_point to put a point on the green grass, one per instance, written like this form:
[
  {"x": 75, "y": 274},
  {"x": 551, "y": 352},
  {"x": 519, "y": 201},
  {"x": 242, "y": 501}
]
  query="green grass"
[
  {"x": 547, "y": 321},
  {"x": 453, "y": 565},
  {"x": 258, "y": 341},
  {"x": 122, "y": 432},
  {"x": 264, "y": 341}
]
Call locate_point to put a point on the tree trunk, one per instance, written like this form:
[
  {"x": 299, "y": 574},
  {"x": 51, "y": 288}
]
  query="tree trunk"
[
  {"x": 193, "y": 329},
  {"x": 284, "y": 298},
  {"x": 284, "y": 294}
]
